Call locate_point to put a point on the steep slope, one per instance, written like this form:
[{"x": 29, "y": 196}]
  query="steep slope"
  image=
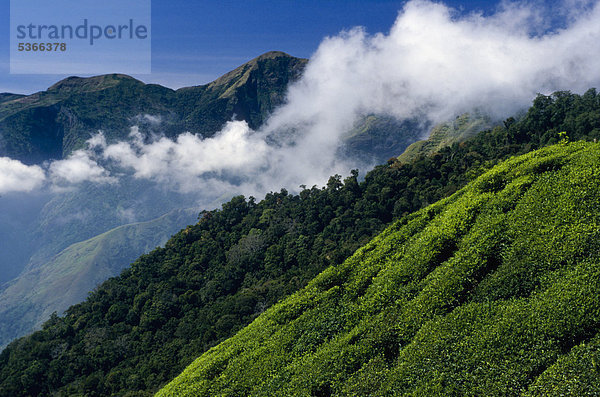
[
  {"x": 52, "y": 123},
  {"x": 479, "y": 294},
  {"x": 463, "y": 127},
  {"x": 18, "y": 214},
  {"x": 31, "y": 298},
  {"x": 79, "y": 214},
  {"x": 137, "y": 331},
  {"x": 379, "y": 137},
  {"x": 249, "y": 92},
  {"x": 7, "y": 96},
  {"x": 36, "y": 228}
]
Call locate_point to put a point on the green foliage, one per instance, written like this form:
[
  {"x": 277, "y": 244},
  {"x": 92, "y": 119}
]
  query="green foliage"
[
  {"x": 217, "y": 276},
  {"x": 491, "y": 292},
  {"x": 209, "y": 280},
  {"x": 576, "y": 373}
]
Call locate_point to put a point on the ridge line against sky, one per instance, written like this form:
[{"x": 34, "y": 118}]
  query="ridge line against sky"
[{"x": 193, "y": 43}]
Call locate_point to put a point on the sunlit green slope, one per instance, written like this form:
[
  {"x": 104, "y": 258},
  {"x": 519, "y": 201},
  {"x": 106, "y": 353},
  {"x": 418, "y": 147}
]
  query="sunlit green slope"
[
  {"x": 28, "y": 301},
  {"x": 445, "y": 134},
  {"x": 493, "y": 291}
]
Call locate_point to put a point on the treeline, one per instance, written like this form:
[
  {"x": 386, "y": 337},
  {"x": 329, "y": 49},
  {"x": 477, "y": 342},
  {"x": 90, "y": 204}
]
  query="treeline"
[
  {"x": 491, "y": 292},
  {"x": 139, "y": 330}
]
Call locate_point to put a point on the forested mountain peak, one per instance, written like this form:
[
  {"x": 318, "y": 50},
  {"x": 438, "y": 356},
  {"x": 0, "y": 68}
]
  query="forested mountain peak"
[
  {"x": 75, "y": 84},
  {"x": 268, "y": 66},
  {"x": 251, "y": 91}
]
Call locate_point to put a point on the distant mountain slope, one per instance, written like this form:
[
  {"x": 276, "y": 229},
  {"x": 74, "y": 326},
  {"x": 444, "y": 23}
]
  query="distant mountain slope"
[
  {"x": 66, "y": 279},
  {"x": 250, "y": 92},
  {"x": 92, "y": 209},
  {"x": 478, "y": 294},
  {"x": 377, "y": 138},
  {"x": 463, "y": 127},
  {"x": 17, "y": 216},
  {"x": 7, "y": 96},
  {"x": 52, "y": 123}
]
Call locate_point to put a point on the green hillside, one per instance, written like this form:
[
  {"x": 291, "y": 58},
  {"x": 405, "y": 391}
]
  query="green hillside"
[
  {"x": 463, "y": 127},
  {"x": 6, "y": 96},
  {"x": 385, "y": 137},
  {"x": 79, "y": 214},
  {"x": 493, "y": 291},
  {"x": 29, "y": 300},
  {"x": 52, "y": 123}
]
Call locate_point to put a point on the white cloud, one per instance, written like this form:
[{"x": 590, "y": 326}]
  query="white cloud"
[
  {"x": 235, "y": 149},
  {"x": 77, "y": 168},
  {"x": 432, "y": 65},
  {"x": 18, "y": 177},
  {"x": 435, "y": 63}
]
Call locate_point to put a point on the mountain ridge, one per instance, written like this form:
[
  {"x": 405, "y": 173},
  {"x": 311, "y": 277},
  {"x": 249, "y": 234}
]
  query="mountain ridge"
[{"x": 51, "y": 124}]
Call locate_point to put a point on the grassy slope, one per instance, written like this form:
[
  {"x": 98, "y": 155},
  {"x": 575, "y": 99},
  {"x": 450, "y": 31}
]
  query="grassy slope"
[
  {"x": 463, "y": 127},
  {"x": 384, "y": 136},
  {"x": 492, "y": 291},
  {"x": 29, "y": 300},
  {"x": 92, "y": 209},
  {"x": 141, "y": 329}
]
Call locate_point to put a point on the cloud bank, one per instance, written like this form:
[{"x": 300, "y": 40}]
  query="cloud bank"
[
  {"x": 18, "y": 177},
  {"x": 433, "y": 64}
]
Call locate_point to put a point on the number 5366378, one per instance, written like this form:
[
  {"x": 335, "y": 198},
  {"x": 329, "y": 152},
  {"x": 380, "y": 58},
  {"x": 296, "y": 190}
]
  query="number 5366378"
[{"x": 42, "y": 46}]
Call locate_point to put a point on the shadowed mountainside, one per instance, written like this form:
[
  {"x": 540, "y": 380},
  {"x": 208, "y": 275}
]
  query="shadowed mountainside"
[{"x": 52, "y": 123}]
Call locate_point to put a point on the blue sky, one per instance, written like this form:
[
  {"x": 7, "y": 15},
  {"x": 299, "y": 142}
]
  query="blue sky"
[{"x": 195, "y": 42}]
